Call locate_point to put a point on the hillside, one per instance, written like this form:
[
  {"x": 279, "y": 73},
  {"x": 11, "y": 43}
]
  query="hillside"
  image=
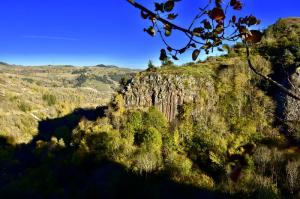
[
  {"x": 32, "y": 94},
  {"x": 281, "y": 45}
]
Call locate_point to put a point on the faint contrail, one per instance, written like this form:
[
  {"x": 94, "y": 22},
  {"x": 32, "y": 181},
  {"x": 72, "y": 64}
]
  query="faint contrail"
[{"x": 49, "y": 37}]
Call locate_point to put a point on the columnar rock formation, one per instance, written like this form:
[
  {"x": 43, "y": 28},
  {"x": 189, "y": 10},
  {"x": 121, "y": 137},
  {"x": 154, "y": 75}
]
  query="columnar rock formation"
[{"x": 167, "y": 92}]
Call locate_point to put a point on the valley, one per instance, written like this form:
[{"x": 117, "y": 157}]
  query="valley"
[{"x": 31, "y": 94}]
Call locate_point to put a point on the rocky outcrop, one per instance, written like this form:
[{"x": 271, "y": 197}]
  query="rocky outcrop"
[
  {"x": 166, "y": 92},
  {"x": 292, "y": 106}
]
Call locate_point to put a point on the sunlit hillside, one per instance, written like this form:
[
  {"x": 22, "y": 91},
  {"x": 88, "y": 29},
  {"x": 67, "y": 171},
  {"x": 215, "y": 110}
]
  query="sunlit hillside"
[{"x": 31, "y": 94}]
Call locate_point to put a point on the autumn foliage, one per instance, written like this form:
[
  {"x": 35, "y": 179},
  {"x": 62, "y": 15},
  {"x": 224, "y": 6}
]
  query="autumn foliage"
[{"x": 210, "y": 29}]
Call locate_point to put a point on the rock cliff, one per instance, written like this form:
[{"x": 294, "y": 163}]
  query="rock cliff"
[
  {"x": 292, "y": 106},
  {"x": 167, "y": 92}
]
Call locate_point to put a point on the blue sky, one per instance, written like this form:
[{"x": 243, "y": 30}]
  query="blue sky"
[{"x": 89, "y": 32}]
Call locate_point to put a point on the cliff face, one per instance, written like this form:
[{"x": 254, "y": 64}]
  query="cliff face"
[
  {"x": 292, "y": 106},
  {"x": 282, "y": 46},
  {"x": 166, "y": 92}
]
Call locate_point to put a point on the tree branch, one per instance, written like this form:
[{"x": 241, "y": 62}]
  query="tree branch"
[
  {"x": 280, "y": 86},
  {"x": 200, "y": 14},
  {"x": 164, "y": 21}
]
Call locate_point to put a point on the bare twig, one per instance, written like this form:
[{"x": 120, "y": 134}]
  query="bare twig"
[{"x": 198, "y": 16}]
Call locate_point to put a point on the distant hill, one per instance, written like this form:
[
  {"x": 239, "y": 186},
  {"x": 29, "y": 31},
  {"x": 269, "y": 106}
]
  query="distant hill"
[
  {"x": 106, "y": 66},
  {"x": 4, "y": 63}
]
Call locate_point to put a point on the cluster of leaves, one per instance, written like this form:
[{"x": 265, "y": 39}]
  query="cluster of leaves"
[{"x": 210, "y": 28}]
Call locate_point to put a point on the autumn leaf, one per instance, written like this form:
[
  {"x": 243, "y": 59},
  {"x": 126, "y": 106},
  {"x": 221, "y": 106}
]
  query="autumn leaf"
[
  {"x": 169, "y": 5},
  {"x": 151, "y": 31},
  {"x": 219, "y": 29},
  {"x": 252, "y": 20},
  {"x": 172, "y": 16},
  {"x": 193, "y": 45},
  {"x": 159, "y": 7},
  {"x": 195, "y": 54},
  {"x": 168, "y": 32},
  {"x": 233, "y": 19},
  {"x": 198, "y": 31},
  {"x": 168, "y": 29},
  {"x": 163, "y": 55},
  {"x": 236, "y": 4},
  {"x": 207, "y": 24},
  {"x": 217, "y": 14},
  {"x": 255, "y": 36},
  {"x": 181, "y": 51},
  {"x": 175, "y": 57}
]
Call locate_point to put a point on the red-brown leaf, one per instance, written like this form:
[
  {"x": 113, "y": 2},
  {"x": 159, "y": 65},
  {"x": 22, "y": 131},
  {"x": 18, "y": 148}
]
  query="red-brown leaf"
[
  {"x": 217, "y": 14},
  {"x": 195, "y": 54},
  {"x": 254, "y": 37}
]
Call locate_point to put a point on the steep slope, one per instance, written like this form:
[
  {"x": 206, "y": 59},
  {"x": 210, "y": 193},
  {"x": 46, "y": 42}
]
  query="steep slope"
[{"x": 281, "y": 46}]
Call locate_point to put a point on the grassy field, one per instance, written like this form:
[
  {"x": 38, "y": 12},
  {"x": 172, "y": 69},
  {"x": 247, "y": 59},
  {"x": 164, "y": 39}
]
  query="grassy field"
[{"x": 31, "y": 94}]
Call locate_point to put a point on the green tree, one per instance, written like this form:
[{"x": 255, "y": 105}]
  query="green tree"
[
  {"x": 151, "y": 66},
  {"x": 167, "y": 63},
  {"x": 154, "y": 118},
  {"x": 152, "y": 139}
]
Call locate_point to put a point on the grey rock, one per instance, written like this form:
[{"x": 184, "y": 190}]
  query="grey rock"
[{"x": 166, "y": 92}]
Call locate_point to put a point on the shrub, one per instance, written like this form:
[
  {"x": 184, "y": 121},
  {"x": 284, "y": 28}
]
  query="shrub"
[
  {"x": 152, "y": 139},
  {"x": 292, "y": 174},
  {"x": 146, "y": 161},
  {"x": 178, "y": 164},
  {"x": 50, "y": 99},
  {"x": 154, "y": 118},
  {"x": 265, "y": 188},
  {"x": 24, "y": 107},
  {"x": 262, "y": 157},
  {"x": 29, "y": 80}
]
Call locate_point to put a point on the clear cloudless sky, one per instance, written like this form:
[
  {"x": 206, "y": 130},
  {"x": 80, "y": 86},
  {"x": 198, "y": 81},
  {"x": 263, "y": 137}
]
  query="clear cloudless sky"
[{"x": 89, "y": 32}]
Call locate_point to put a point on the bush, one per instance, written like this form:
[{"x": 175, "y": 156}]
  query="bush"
[
  {"x": 265, "y": 188},
  {"x": 150, "y": 138},
  {"x": 154, "y": 118},
  {"x": 50, "y": 99},
  {"x": 292, "y": 175},
  {"x": 178, "y": 164},
  {"x": 146, "y": 161},
  {"x": 24, "y": 107}
]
